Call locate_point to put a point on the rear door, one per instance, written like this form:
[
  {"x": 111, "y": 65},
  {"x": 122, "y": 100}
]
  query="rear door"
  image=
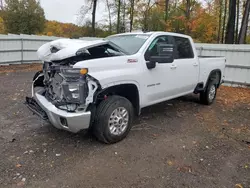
[{"x": 186, "y": 66}]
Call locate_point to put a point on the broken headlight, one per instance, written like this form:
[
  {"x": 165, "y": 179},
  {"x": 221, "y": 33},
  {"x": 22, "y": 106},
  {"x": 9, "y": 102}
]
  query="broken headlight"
[
  {"x": 70, "y": 74},
  {"x": 74, "y": 86},
  {"x": 74, "y": 90}
]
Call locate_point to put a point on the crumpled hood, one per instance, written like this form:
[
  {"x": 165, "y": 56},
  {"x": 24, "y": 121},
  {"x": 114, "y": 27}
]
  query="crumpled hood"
[{"x": 66, "y": 48}]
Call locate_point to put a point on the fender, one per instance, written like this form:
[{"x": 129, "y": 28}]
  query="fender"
[
  {"x": 112, "y": 87},
  {"x": 209, "y": 76},
  {"x": 107, "y": 86},
  {"x": 116, "y": 83}
]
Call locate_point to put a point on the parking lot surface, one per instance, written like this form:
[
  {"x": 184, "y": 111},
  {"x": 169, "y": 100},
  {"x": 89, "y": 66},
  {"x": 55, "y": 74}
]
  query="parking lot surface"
[{"x": 178, "y": 143}]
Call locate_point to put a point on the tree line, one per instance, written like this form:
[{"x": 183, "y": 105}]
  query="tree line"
[
  {"x": 221, "y": 21},
  {"x": 210, "y": 21}
]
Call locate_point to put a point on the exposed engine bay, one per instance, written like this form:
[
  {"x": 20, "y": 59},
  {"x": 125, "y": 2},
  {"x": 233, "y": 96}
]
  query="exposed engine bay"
[{"x": 64, "y": 86}]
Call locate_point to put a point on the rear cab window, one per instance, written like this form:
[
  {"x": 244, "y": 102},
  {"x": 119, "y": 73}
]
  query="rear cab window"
[{"x": 183, "y": 48}]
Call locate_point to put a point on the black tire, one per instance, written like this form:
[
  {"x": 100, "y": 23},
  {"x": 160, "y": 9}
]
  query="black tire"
[
  {"x": 101, "y": 123},
  {"x": 204, "y": 95}
]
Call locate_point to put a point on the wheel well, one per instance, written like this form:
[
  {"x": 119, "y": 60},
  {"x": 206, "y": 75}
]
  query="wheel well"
[
  {"x": 38, "y": 79},
  {"x": 129, "y": 91},
  {"x": 215, "y": 76}
]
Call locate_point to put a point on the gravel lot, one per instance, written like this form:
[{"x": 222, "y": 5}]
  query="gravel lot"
[{"x": 179, "y": 143}]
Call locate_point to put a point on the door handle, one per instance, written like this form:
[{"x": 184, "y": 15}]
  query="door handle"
[
  {"x": 173, "y": 66},
  {"x": 195, "y": 64}
]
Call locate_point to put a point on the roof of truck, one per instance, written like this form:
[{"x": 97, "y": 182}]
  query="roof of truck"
[{"x": 153, "y": 32}]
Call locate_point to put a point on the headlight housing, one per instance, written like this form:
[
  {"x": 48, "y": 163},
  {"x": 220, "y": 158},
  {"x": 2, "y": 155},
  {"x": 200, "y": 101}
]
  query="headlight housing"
[
  {"x": 70, "y": 74},
  {"x": 73, "y": 74},
  {"x": 74, "y": 85},
  {"x": 74, "y": 90}
]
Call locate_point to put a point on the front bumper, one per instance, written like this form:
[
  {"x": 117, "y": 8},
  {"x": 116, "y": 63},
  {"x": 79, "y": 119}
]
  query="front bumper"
[{"x": 70, "y": 121}]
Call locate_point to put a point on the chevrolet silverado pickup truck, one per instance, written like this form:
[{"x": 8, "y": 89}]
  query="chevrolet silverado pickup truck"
[{"x": 100, "y": 85}]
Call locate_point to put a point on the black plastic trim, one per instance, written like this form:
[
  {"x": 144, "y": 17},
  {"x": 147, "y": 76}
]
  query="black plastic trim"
[
  {"x": 199, "y": 88},
  {"x": 35, "y": 108},
  {"x": 213, "y": 71}
]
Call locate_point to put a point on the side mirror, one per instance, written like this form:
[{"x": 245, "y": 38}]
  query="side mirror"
[
  {"x": 150, "y": 64},
  {"x": 165, "y": 53}
]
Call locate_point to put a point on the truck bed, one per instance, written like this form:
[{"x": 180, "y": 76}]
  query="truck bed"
[{"x": 209, "y": 63}]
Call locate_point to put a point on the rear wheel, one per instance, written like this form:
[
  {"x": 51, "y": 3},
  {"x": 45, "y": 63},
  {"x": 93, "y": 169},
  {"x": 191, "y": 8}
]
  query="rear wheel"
[
  {"x": 208, "y": 96},
  {"x": 113, "y": 119}
]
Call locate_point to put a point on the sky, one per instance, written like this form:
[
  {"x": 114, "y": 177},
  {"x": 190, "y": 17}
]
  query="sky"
[{"x": 66, "y": 10}]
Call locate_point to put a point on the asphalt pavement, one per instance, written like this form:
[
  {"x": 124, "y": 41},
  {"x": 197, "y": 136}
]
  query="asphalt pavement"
[{"x": 178, "y": 143}]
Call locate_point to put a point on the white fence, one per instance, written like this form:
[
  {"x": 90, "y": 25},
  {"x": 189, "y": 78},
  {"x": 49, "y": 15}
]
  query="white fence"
[
  {"x": 237, "y": 70},
  {"x": 16, "y": 49},
  {"x": 20, "y": 48}
]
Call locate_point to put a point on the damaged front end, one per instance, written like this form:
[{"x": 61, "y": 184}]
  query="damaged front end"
[
  {"x": 62, "y": 94},
  {"x": 68, "y": 88}
]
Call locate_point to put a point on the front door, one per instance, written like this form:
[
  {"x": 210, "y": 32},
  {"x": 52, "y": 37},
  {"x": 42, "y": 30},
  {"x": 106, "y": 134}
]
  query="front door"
[
  {"x": 170, "y": 80},
  {"x": 159, "y": 81}
]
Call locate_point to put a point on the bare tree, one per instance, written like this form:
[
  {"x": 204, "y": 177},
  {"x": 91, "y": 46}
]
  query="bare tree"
[
  {"x": 224, "y": 21},
  {"x": 188, "y": 7},
  {"x": 84, "y": 11},
  {"x": 93, "y": 16},
  {"x": 220, "y": 17},
  {"x": 244, "y": 23},
  {"x": 229, "y": 39},
  {"x": 118, "y": 16},
  {"x": 166, "y": 9},
  {"x": 145, "y": 16},
  {"x": 109, "y": 14},
  {"x": 131, "y": 12},
  {"x": 1, "y": 4},
  {"x": 237, "y": 21},
  {"x": 123, "y": 28}
]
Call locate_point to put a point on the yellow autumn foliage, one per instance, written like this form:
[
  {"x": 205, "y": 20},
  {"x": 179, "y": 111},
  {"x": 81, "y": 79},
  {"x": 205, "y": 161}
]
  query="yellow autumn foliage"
[{"x": 2, "y": 28}]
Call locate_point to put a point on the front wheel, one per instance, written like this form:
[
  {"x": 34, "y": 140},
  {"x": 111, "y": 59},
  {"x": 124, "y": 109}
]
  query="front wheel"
[
  {"x": 208, "y": 96},
  {"x": 113, "y": 119}
]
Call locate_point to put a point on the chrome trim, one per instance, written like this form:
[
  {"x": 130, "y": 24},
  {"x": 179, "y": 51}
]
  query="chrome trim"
[
  {"x": 212, "y": 92},
  {"x": 118, "y": 121}
]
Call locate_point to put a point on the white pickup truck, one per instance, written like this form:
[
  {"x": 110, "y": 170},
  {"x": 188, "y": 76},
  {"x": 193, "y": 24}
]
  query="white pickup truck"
[{"x": 101, "y": 84}]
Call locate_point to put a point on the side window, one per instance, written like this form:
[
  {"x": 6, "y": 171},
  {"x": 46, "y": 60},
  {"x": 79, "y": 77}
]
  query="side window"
[
  {"x": 153, "y": 50},
  {"x": 183, "y": 48}
]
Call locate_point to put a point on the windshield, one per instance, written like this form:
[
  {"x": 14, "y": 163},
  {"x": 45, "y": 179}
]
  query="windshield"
[{"x": 130, "y": 43}]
